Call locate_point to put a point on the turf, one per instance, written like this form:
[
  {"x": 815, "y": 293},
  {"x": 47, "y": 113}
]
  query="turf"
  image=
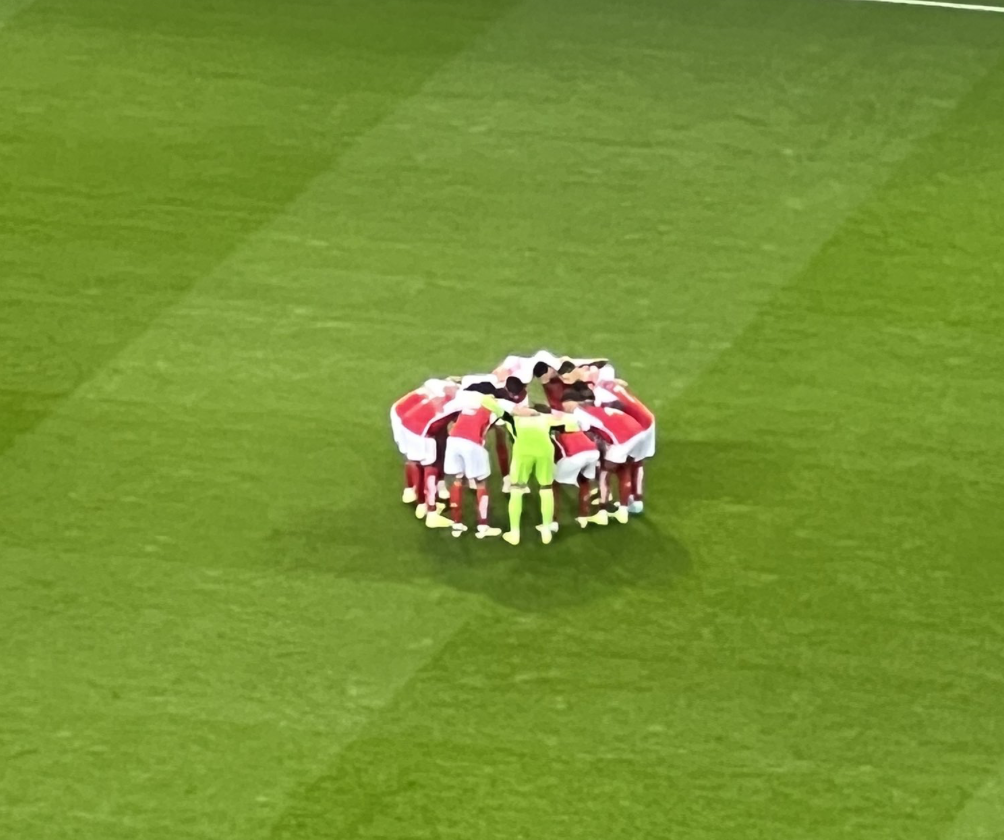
[{"x": 233, "y": 233}]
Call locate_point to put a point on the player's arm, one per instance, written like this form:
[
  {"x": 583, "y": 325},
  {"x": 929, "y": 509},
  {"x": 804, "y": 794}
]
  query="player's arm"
[
  {"x": 502, "y": 410},
  {"x": 564, "y": 421}
]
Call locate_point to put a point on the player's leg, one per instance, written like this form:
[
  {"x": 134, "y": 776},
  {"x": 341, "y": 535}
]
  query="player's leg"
[
  {"x": 479, "y": 467},
  {"x": 519, "y": 472},
  {"x": 453, "y": 465},
  {"x": 644, "y": 451},
  {"x": 442, "y": 491},
  {"x": 414, "y": 448},
  {"x": 604, "y": 484},
  {"x": 588, "y": 467},
  {"x": 614, "y": 464},
  {"x": 502, "y": 454},
  {"x": 457, "y": 503},
  {"x": 412, "y": 482},
  {"x": 515, "y": 514},
  {"x": 430, "y": 479},
  {"x": 543, "y": 470},
  {"x": 638, "y": 487},
  {"x": 584, "y": 495},
  {"x": 431, "y": 472},
  {"x": 419, "y": 451},
  {"x": 624, "y": 486},
  {"x": 484, "y": 528}
]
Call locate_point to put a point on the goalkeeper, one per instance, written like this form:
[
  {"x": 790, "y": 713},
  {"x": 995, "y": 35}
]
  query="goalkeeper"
[{"x": 532, "y": 455}]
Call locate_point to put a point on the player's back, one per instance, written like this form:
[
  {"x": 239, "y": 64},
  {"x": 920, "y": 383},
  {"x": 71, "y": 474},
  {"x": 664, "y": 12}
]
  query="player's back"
[
  {"x": 472, "y": 424},
  {"x": 631, "y": 405},
  {"x": 423, "y": 415},
  {"x": 614, "y": 425},
  {"x": 573, "y": 443}
]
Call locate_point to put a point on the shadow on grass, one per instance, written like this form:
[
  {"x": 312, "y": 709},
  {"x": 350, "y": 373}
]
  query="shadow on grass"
[
  {"x": 388, "y": 544},
  {"x": 578, "y": 566}
]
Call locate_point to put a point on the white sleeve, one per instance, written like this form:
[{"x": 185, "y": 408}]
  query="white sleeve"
[
  {"x": 603, "y": 396},
  {"x": 514, "y": 362},
  {"x": 547, "y": 357},
  {"x": 463, "y": 401},
  {"x": 583, "y": 419},
  {"x": 519, "y": 366}
]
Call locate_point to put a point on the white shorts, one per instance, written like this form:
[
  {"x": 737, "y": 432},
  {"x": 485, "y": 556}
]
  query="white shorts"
[
  {"x": 418, "y": 448},
  {"x": 567, "y": 470},
  {"x": 467, "y": 459},
  {"x": 619, "y": 453},
  {"x": 647, "y": 448}
]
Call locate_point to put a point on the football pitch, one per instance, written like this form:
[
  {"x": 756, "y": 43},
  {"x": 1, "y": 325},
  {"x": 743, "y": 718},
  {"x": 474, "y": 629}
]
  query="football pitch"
[{"x": 232, "y": 233}]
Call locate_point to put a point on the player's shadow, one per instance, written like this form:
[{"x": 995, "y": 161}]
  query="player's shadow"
[
  {"x": 577, "y": 567},
  {"x": 388, "y": 544}
]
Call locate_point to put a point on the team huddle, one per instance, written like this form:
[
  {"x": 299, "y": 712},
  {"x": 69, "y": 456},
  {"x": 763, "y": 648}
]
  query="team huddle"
[{"x": 591, "y": 431}]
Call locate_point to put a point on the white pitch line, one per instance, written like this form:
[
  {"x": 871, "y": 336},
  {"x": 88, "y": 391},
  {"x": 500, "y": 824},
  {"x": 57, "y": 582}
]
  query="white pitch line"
[{"x": 938, "y": 4}]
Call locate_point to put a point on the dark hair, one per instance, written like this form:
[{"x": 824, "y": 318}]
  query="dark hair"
[
  {"x": 572, "y": 395},
  {"x": 540, "y": 408},
  {"x": 540, "y": 369},
  {"x": 601, "y": 363},
  {"x": 514, "y": 385},
  {"x": 583, "y": 388},
  {"x": 481, "y": 388},
  {"x": 566, "y": 367}
]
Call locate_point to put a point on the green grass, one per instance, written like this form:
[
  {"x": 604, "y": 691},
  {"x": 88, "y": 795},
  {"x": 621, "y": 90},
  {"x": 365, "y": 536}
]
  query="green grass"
[{"x": 233, "y": 233}]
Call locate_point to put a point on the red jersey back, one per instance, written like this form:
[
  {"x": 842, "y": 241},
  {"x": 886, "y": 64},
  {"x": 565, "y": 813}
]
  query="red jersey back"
[
  {"x": 408, "y": 402},
  {"x": 608, "y": 391},
  {"x": 613, "y": 425},
  {"x": 472, "y": 424},
  {"x": 573, "y": 443},
  {"x": 427, "y": 413}
]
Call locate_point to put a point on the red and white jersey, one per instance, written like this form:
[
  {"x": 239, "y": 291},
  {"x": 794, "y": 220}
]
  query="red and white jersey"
[
  {"x": 553, "y": 391},
  {"x": 608, "y": 392},
  {"x": 573, "y": 443},
  {"x": 614, "y": 426},
  {"x": 473, "y": 424},
  {"x": 429, "y": 414},
  {"x": 474, "y": 419},
  {"x": 430, "y": 388}
]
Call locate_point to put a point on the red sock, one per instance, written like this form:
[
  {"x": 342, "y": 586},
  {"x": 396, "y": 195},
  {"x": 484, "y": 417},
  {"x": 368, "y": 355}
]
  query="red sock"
[
  {"x": 638, "y": 481},
  {"x": 457, "y": 500},
  {"x": 502, "y": 452},
  {"x": 413, "y": 477},
  {"x": 431, "y": 480},
  {"x": 584, "y": 496},
  {"x": 624, "y": 480},
  {"x": 482, "y": 506}
]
